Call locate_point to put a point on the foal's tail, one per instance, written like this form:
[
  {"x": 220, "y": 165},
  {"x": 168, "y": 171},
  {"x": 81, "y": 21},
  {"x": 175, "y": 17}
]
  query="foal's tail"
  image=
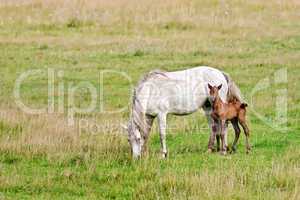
[{"x": 233, "y": 90}]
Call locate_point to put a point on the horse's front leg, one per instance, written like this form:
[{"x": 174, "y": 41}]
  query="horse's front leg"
[
  {"x": 149, "y": 121},
  {"x": 162, "y": 122},
  {"x": 223, "y": 133}
]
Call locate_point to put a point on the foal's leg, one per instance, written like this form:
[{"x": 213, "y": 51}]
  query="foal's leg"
[
  {"x": 218, "y": 134},
  {"x": 225, "y": 133},
  {"x": 237, "y": 132},
  {"x": 223, "y": 137},
  {"x": 162, "y": 121},
  {"x": 247, "y": 133},
  {"x": 225, "y": 128},
  {"x": 218, "y": 142}
]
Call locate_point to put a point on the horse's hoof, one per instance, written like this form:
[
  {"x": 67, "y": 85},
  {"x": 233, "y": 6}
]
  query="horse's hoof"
[
  {"x": 223, "y": 153},
  {"x": 138, "y": 157},
  {"x": 164, "y": 155},
  {"x": 209, "y": 150}
]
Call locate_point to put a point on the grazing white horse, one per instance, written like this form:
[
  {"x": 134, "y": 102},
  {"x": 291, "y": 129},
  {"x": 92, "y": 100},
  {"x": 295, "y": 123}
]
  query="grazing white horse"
[{"x": 180, "y": 93}]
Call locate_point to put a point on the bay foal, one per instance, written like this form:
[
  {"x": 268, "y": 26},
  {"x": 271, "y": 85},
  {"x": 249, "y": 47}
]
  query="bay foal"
[{"x": 233, "y": 111}]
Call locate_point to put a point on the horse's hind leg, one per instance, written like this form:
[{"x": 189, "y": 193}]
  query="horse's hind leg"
[
  {"x": 237, "y": 132},
  {"x": 218, "y": 142},
  {"x": 247, "y": 134},
  {"x": 162, "y": 122}
]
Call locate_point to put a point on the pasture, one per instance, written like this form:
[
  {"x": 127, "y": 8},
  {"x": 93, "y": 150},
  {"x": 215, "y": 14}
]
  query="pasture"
[{"x": 42, "y": 156}]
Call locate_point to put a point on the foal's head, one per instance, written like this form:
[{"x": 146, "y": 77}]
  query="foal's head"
[{"x": 214, "y": 92}]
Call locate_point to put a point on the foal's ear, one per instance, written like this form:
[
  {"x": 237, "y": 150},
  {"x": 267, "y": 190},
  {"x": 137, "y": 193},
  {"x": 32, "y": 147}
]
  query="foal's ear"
[
  {"x": 209, "y": 86},
  {"x": 219, "y": 87}
]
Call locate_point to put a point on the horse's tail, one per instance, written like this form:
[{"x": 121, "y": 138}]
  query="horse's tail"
[{"x": 233, "y": 90}]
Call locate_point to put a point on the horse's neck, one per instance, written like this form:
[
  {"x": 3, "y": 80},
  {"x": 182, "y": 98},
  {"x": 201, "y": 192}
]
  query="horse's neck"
[{"x": 218, "y": 104}]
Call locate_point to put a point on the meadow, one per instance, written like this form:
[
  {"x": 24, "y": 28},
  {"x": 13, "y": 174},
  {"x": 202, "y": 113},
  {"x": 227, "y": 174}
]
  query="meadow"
[{"x": 42, "y": 156}]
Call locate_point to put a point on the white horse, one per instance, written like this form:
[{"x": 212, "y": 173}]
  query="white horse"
[{"x": 180, "y": 93}]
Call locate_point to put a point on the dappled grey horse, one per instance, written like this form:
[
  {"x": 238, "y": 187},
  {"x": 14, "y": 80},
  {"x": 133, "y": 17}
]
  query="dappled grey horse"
[{"x": 183, "y": 92}]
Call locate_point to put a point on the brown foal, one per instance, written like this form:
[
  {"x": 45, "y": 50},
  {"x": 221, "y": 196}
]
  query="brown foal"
[{"x": 233, "y": 111}]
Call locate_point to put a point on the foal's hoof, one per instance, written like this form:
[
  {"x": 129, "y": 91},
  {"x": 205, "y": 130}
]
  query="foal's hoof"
[
  {"x": 209, "y": 150},
  {"x": 233, "y": 150},
  {"x": 248, "y": 149},
  {"x": 223, "y": 153}
]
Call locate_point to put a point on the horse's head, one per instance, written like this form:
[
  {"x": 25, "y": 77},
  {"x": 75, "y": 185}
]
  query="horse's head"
[
  {"x": 135, "y": 140},
  {"x": 213, "y": 92}
]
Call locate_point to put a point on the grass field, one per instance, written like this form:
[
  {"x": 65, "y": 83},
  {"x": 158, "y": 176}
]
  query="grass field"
[{"x": 42, "y": 157}]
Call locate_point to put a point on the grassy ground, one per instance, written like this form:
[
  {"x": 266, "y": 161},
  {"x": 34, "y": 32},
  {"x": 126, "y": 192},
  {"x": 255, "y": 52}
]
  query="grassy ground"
[{"x": 41, "y": 157}]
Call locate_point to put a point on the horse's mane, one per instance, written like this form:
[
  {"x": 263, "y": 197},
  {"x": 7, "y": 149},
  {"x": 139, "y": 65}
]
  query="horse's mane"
[
  {"x": 138, "y": 118},
  {"x": 148, "y": 76}
]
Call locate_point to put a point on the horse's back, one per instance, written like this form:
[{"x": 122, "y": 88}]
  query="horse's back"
[
  {"x": 180, "y": 92},
  {"x": 194, "y": 73},
  {"x": 199, "y": 77}
]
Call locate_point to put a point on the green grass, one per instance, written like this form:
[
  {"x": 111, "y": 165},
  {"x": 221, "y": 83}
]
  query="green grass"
[{"x": 41, "y": 157}]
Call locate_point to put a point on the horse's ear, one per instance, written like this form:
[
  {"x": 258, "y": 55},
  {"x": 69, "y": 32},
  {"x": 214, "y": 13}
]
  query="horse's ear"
[
  {"x": 219, "y": 87},
  {"x": 209, "y": 86}
]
